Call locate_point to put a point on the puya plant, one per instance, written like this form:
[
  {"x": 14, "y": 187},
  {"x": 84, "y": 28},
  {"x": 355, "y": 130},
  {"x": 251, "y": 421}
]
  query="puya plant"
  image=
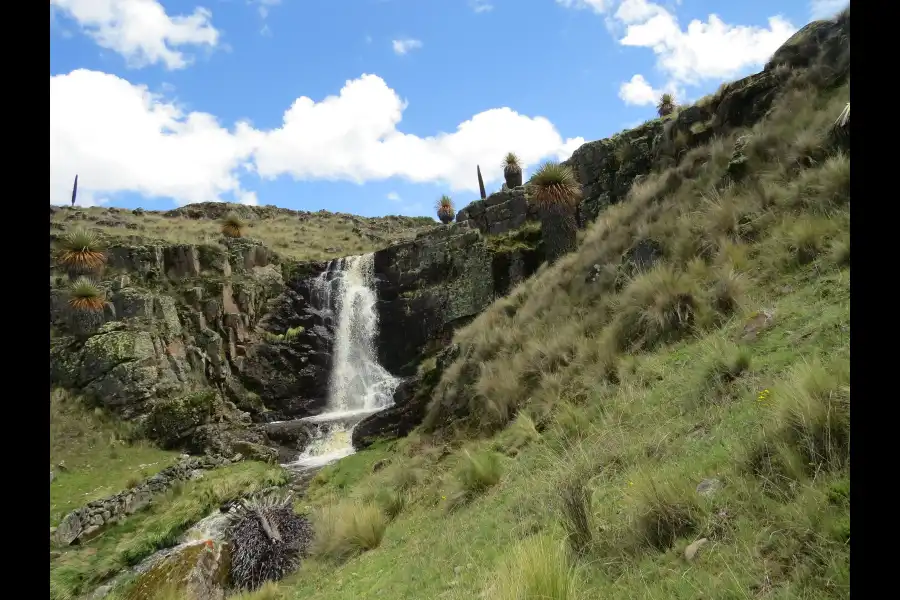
[
  {"x": 445, "y": 209},
  {"x": 556, "y": 193},
  {"x": 512, "y": 170},
  {"x": 81, "y": 253}
]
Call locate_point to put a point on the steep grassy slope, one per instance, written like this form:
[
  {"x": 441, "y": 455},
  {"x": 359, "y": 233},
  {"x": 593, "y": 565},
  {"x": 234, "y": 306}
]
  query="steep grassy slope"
[
  {"x": 298, "y": 235},
  {"x": 683, "y": 376}
]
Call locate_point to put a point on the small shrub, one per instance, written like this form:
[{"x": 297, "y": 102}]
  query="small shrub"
[
  {"x": 81, "y": 252},
  {"x": 538, "y": 569},
  {"x": 233, "y": 225},
  {"x": 347, "y": 529}
]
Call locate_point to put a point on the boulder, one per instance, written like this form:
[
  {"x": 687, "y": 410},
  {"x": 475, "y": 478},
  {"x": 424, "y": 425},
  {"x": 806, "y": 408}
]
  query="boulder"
[
  {"x": 396, "y": 421},
  {"x": 197, "y": 571}
]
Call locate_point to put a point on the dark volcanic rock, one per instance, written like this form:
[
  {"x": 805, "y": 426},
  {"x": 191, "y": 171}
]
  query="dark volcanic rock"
[
  {"x": 429, "y": 287},
  {"x": 396, "y": 421},
  {"x": 291, "y": 373}
]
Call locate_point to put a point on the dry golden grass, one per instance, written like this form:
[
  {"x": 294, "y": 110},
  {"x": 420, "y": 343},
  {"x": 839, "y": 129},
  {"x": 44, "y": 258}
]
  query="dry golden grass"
[{"x": 296, "y": 235}]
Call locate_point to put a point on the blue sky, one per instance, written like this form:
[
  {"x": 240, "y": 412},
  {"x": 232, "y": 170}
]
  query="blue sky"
[{"x": 370, "y": 107}]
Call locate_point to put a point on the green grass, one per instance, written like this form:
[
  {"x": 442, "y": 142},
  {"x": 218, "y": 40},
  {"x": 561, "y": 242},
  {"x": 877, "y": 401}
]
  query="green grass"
[
  {"x": 98, "y": 457},
  {"x": 81, "y": 568}
]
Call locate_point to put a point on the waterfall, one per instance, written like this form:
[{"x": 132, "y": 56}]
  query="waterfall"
[{"x": 359, "y": 385}]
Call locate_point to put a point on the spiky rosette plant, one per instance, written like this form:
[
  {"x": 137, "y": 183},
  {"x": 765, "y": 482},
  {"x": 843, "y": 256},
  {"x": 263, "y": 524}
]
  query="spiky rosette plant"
[
  {"x": 556, "y": 193},
  {"x": 512, "y": 170},
  {"x": 445, "y": 210},
  {"x": 666, "y": 105},
  {"x": 233, "y": 225},
  {"x": 268, "y": 540},
  {"x": 81, "y": 253},
  {"x": 86, "y": 304}
]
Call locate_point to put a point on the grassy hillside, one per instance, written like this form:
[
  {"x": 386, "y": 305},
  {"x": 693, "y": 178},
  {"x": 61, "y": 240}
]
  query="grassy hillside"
[
  {"x": 611, "y": 430},
  {"x": 297, "y": 235}
]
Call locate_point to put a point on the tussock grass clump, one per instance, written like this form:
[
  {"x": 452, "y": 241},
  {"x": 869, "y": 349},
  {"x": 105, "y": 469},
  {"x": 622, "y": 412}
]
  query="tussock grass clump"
[
  {"x": 664, "y": 512},
  {"x": 727, "y": 363},
  {"x": 476, "y": 473},
  {"x": 575, "y": 507},
  {"x": 81, "y": 252},
  {"x": 809, "y": 430},
  {"x": 392, "y": 502},
  {"x": 539, "y": 568},
  {"x": 233, "y": 225},
  {"x": 347, "y": 529},
  {"x": 658, "y": 306},
  {"x": 520, "y": 433}
]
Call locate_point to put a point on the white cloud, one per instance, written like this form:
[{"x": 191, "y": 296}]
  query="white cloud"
[
  {"x": 710, "y": 50},
  {"x": 481, "y": 6},
  {"x": 598, "y": 6},
  {"x": 638, "y": 92},
  {"x": 140, "y": 30},
  {"x": 825, "y": 9},
  {"x": 354, "y": 136},
  {"x": 401, "y": 47},
  {"x": 262, "y": 6},
  {"x": 120, "y": 137},
  {"x": 393, "y": 196}
]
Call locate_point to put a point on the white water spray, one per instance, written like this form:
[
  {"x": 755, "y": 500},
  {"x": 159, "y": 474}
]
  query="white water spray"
[{"x": 359, "y": 385}]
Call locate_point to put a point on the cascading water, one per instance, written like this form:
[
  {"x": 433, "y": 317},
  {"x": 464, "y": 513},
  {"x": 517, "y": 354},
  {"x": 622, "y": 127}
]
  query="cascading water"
[{"x": 359, "y": 386}]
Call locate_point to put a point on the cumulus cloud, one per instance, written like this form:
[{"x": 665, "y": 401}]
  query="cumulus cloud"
[
  {"x": 638, "y": 92},
  {"x": 825, "y": 9},
  {"x": 120, "y": 137},
  {"x": 703, "y": 51},
  {"x": 401, "y": 47},
  {"x": 140, "y": 30}
]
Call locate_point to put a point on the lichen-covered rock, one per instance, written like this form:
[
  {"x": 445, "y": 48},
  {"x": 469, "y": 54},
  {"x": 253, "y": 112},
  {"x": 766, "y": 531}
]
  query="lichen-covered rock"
[
  {"x": 197, "y": 571},
  {"x": 256, "y": 452},
  {"x": 170, "y": 422}
]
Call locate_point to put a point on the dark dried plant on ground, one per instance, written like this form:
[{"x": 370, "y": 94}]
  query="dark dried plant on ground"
[{"x": 268, "y": 540}]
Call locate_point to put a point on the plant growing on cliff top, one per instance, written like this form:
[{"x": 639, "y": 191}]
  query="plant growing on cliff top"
[
  {"x": 233, "y": 225},
  {"x": 445, "y": 210},
  {"x": 556, "y": 192},
  {"x": 81, "y": 252},
  {"x": 86, "y": 296},
  {"x": 512, "y": 170},
  {"x": 666, "y": 105}
]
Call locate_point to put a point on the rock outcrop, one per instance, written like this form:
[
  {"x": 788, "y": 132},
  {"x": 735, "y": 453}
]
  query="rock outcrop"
[{"x": 440, "y": 281}]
